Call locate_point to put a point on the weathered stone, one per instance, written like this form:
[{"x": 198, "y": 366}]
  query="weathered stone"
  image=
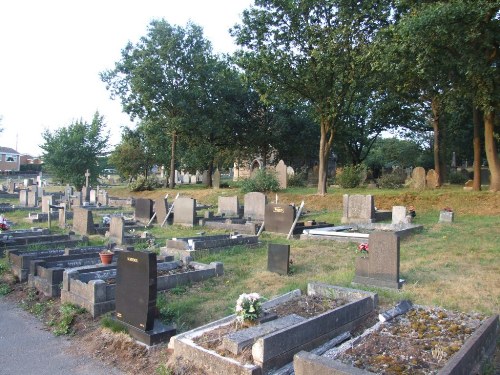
[
  {"x": 216, "y": 179},
  {"x": 358, "y": 209},
  {"x": 255, "y": 206},
  {"x": 446, "y": 216},
  {"x": 161, "y": 209},
  {"x": 228, "y": 206},
  {"x": 185, "y": 211},
  {"x": 83, "y": 221},
  {"x": 432, "y": 179},
  {"x": 46, "y": 202},
  {"x": 399, "y": 214},
  {"x": 281, "y": 174},
  {"x": 418, "y": 178},
  {"x": 117, "y": 230}
]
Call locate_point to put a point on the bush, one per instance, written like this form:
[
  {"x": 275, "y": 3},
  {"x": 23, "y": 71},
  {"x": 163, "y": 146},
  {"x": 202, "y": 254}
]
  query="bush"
[
  {"x": 350, "y": 177},
  {"x": 457, "y": 178},
  {"x": 263, "y": 181},
  {"x": 394, "y": 180},
  {"x": 299, "y": 179},
  {"x": 143, "y": 183}
]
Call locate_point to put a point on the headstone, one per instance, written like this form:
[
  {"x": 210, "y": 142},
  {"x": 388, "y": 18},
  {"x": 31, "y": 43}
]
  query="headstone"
[
  {"x": 185, "y": 211},
  {"x": 313, "y": 176},
  {"x": 254, "y": 206},
  {"x": 432, "y": 179},
  {"x": 11, "y": 187},
  {"x": 193, "y": 179},
  {"x": 62, "y": 216},
  {"x": 381, "y": 267},
  {"x": 281, "y": 174},
  {"x": 46, "y": 202},
  {"x": 76, "y": 200},
  {"x": 186, "y": 179},
  {"x": 23, "y": 198},
  {"x": 117, "y": 230},
  {"x": 279, "y": 218},
  {"x": 216, "y": 179},
  {"x": 93, "y": 196},
  {"x": 446, "y": 216},
  {"x": 290, "y": 171},
  {"x": 161, "y": 209},
  {"x": 135, "y": 297},
  {"x": 177, "y": 176},
  {"x": 469, "y": 185},
  {"x": 204, "y": 178},
  {"x": 228, "y": 206},
  {"x": 358, "y": 209},
  {"x": 68, "y": 192},
  {"x": 418, "y": 178},
  {"x": 83, "y": 221},
  {"x": 399, "y": 215},
  {"x": 199, "y": 177},
  {"x": 278, "y": 258},
  {"x": 143, "y": 210},
  {"x": 103, "y": 197},
  {"x": 33, "y": 198},
  {"x": 85, "y": 194}
]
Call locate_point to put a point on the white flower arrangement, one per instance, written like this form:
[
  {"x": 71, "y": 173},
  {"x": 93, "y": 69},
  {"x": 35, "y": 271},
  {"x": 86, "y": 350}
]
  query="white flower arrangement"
[{"x": 248, "y": 307}]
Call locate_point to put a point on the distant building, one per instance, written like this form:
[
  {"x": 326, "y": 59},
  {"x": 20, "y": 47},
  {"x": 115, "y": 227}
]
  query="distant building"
[
  {"x": 28, "y": 159},
  {"x": 10, "y": 159}
]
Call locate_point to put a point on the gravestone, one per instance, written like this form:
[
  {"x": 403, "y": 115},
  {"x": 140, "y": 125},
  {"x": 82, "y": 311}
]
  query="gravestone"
[
  {"x": 193, "y": 179},
  {"x": 23, "y": 198},
  {"x": 83, "y": 221},
  {"x": 446, "y": 216},
  {"x": 199, "y": 177},
  {"x": 46, "y": 202},
  {"x": 117, "y": 230},
  {"x": 33, "y": 198},
  {"x": 62, "y": 216},
  {"x": 278, "y": 258},
  {"x": 228, "y": 206},
  {"x": 186, "y": 179},
  {"x": 11, "y": 187},
  {"x": 135, "y": 297},
  {"x": 399, "y": 215},
  {"x": 418, "y": 178},
  {"x": 254, "y": 206},
  {"x": 313, "y": 176},
  {"x": 358, "y": 209},
  {"x": 68, "y": 192},
  {"x": 185, "y": 211},
  {"x": 161, "y": 209},
  {"x": 381, "y": 267},
  {"x": 281, "y": 174},
  {"x": 279, "y": 218},
  {"x": 204, "y": 178},
  {"x": 431, "y": 179},
  {"x": 85, "y": 194},
  {"x": 143, "y": 210},
  {"x": 216, "y": 179},
  {"x": 103, "y": 197},
  {"x": 93, "y": 196},
  {"x": 76, "y": 200}
]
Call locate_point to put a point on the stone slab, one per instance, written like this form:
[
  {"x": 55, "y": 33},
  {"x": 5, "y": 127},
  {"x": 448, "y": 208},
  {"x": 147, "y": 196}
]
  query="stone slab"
[{"x": 278, "y": 258}]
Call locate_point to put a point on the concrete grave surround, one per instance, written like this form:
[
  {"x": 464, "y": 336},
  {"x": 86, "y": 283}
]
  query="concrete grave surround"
[
  {"x": 281, "y": 174},
  {"x": 161, "y": 209},
  {"x": 381, "y": 267},
  {"x": 254, "y": 206},
  {"x": 431, "y": 179},
  {"x": 83, "y": 221},
  {"x": 358, "y": 209},
  {"x": 185, "y": 211},
  {"x": 279, "y": 218},
  {"x": 228, "y": 206},
  {"x": 278, "y": 258},
  {"x": 143, "y": 210},
  {"x": 418, "y": 178}
]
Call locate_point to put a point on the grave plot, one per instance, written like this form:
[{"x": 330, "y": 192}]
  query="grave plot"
[
  {"x": 232, "y": 224},
  {"x": 222, "y": 348},
  {"x": 95, "y": 290},
  {"x": 19, "y": 260},
  {"x": 280, "y": 218},
  {"x": 46, "y": 275},
  {"x": 423, "y": 341},
  {"x": 190, "y": 246}
]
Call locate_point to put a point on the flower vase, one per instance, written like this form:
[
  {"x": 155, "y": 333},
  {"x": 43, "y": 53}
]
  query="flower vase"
[{"x": 106, "y": 258}]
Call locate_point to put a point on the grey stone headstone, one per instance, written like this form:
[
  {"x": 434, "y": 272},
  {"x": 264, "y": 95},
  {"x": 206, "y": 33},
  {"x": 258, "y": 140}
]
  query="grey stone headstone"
[
  {"x": 33, "y": 198},
  {"x": 117, "y": 230},
  {"x": 216, "y": 179},
  {"x": 398, "y": 214},
  {"x": 185, "y": 211},
  {"x": 278, "y": 258},
  {"x": 86, "y": 194},
  {"x": 228, "y": 206},
  {"x": 279, "y": 218},
  {"x": 186, "y": 179},
  {"x": 143, "y": 210},
  {"x": 23, "y": 198},
  {"x": 446, "y": 216},
  {"x": 418, "y": 178},
  {"x": 313, "y": 176},
  {"x": 93, "y": 196},
  {"x": 431, "y": 179},
  {"x": 255, "y": 206},
  {"x": 161, "y": 209},
  {"x": 281, "y": 174},
  {"x": 83, "y": 221},
  {"x": 46, "y": 202},
  {"x": 62, "y": 217},
  {"x": 358, "y": 209},
  {"x": 204, "y": 178},
  {"x": 76, "y": 201}
]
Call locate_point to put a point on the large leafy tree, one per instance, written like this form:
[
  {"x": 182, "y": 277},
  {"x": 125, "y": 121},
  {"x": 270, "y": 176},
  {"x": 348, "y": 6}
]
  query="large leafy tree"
[
  {"x": 69, "y": 151},
  {"x": 314, "y": 50}
]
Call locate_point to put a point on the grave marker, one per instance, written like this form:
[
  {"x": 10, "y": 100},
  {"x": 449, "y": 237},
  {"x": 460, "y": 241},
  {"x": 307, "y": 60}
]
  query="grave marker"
[
  {"x": 33, "y": 198},
  {"x": 117, "y": 230},
  {"x": 432, "y": 179},
  {"x": 255, "y": 206},
  {"x": 278, "y": 258},
  {"x": 281, "y": 174},
  {"x": 358, "y": 209},
  {"x": 185, "y": 211},
  {"x": 23, "y": 198},
  {"x": 161, "y": 209},
  {"x": 46, "y": 203},
  {"x": 279, "y": 218},
  {"x": 143, "y": 210},
  {"x": 399, "y": 215},
  {"x": 418, "y": 178},
  {"x": 83, "y": 221},
  {"x": 228, "y": 206}
]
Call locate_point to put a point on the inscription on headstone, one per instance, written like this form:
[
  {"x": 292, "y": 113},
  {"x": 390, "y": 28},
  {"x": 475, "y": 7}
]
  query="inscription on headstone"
[{"x": 278, "y": 258}]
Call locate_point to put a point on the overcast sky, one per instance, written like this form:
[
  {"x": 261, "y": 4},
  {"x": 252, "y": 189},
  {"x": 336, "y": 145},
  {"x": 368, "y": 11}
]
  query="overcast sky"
[{"x": 53, "y": 50}]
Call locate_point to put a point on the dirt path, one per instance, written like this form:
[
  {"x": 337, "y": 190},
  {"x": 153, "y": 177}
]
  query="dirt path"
[{"x": 26, "y": 348}]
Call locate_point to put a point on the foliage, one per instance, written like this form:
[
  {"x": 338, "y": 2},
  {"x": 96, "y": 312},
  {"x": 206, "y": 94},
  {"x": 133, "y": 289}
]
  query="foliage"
[
  {"x": 69, "y": 151},
  {"x": 30, "y": 167},
  {"x": 362, "y": 248},
  {"x": 298, "y": 179},
  {"x": 457, "y": 178},
  {"x": 248, "y": 307},
  {"x": 394, "y": 180},
  {"x": 144, "y": 183},
  {"x": 350, "y": 177},
  {"x": 263, "y": 181},
  {"x": 68, "y": 313},
  {"x": 113, "y": 325}
]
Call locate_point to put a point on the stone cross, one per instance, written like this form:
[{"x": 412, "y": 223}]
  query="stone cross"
[{"x": 87, "y": 175}]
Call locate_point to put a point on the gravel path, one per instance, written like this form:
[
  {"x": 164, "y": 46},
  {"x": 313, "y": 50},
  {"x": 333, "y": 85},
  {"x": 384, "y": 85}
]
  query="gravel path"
[{"x": 27, "y": 348}]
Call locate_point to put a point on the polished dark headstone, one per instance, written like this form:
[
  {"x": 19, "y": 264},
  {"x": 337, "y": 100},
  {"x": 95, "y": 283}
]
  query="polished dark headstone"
[
  {"x": 278, "y": 258},
  {"x": 279, "y": 218},
  {"x": 143, "y": 210}
]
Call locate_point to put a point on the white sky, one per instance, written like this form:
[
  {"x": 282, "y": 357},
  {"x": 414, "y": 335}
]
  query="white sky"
[{"x": 52, "y": 51}]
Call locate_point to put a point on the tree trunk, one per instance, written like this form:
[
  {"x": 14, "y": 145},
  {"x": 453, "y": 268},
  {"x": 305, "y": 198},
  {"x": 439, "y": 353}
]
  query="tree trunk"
[
  {"x": 477, "y": 149},
  {"x": 325, "y": 143},
  {"x": 172, "y": 162},
  {"x": 437, "y": 138},
  {"x": 491, "y": 150},
  {"x": 209, "y": 174}
]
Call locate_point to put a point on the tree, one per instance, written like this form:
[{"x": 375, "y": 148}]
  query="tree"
[
  {"x": 69, "y": 151},
  {"x": 311, "y": 50}
]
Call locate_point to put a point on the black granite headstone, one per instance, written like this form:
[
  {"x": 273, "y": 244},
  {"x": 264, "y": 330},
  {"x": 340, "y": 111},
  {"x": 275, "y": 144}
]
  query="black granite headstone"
[
  {"x": 279, "y": 218},
  {"x": 135, "y": 292},
  {"x": 278, "y": 258},
  {"x": 143, "y": 210}
]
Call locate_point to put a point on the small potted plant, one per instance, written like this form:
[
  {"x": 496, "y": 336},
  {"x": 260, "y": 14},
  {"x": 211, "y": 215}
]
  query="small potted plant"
[
  {"x": 248, "y": 308},
  {"x": 106, "y": 256}
]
